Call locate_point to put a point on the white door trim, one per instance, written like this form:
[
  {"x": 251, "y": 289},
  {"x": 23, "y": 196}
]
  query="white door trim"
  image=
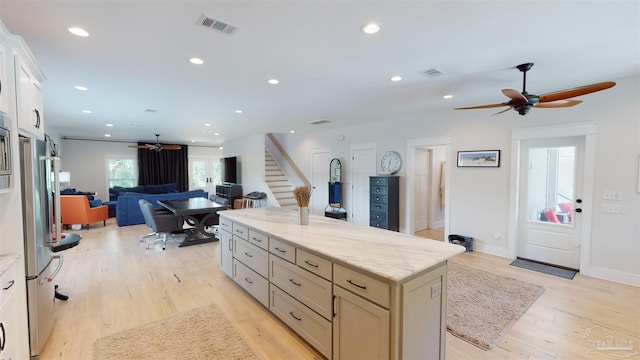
[
  {"x": 412, "y": 146},
  {"x": 588, "y": 130}
]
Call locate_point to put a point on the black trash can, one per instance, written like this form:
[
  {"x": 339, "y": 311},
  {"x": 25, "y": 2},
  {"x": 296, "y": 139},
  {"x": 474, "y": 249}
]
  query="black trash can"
[{"x": 466, "y": 241}]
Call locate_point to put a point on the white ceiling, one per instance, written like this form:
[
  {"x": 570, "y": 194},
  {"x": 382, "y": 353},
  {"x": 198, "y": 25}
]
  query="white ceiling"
[{"x": 136, "y": 59}]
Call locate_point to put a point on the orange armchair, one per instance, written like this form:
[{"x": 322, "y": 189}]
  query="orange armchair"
[{"x": 75, "y": 209}]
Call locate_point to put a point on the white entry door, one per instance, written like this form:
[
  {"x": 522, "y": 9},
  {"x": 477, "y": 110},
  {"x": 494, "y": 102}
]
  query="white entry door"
[
  {"x": 551, "y": 174},
  {"x": 319, "y": 182},
  {"x": 204, "y": 173},
  {"x": 363, "y": 165}
]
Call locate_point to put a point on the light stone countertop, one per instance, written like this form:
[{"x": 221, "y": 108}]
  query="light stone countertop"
[{"x": 391, "y": 255}]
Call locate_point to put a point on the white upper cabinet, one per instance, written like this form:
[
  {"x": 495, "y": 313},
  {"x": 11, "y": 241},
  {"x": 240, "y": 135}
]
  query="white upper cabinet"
[
  {"x": 29, "y": 92},
  {"x": 3, "y": 81}
]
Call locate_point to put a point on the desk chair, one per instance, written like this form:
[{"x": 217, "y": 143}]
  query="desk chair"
[{"x": 161, "y": 223}]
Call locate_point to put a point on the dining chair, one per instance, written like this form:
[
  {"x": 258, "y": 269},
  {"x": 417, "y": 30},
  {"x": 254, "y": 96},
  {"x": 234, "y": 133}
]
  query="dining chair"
[{"x": 161, "y": 223}]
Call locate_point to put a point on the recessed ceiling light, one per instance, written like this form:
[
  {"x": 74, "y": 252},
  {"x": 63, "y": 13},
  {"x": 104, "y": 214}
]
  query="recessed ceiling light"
[
  {"x": 292, "y": 131},
  {"x": 220, "y": 148},
  {"x": 81, "y": 88},
  {"x": 193, "y": 141},
  {"x": 107, "y": 135},
  {"x": 197, "y": 61},
  {"x": 396, "y": 78},
  {"x": 238, "y": 111},
  {"x": 207, "y": 124},
  {"x": 216, "y": 134},
  {"x": 273, "y": 81},
  {"x": 78, "y": 31},
  {"x": 109, "y": 125},
  {"x": 370, "y": 28},
  {"x": 448, "y": 96},
  {"x": 87, "y": 111}
]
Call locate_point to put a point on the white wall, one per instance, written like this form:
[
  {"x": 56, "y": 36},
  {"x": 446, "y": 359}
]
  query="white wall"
[{"x": 479, "y": 197}]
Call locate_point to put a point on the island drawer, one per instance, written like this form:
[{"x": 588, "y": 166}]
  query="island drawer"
[
  {"x": 308, "y": 288},
  {"x": 366, "y": 286},
  {"x": 225, "y": 224},
  {"x": 241, "y": 231},
  {"x": 258, "y": 239},
  {"x": 314, "y": 263},
  {"x": 283, "y": 250},
  {"x": 312, "y": 327},
  {"x": 253, "y": 283},
  {"x": 254, "y": 257}
]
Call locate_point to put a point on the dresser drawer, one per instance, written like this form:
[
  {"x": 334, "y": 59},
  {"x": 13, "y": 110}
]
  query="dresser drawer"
[
  {"x": 382, "y": 224},
  {"x": 253, "y": 283},
  {"x": 240, "y": 231},
  {"x": 259, "y": 239},
  {"x": 308, "y": 288},
  {"x": 254, "y": 257},
  {"x": 314, "y": 263},
  {"x": 312, "y": 327},
  {"x": 378, "y": 190},
  {"x": 378, "y": 181},
  {"x": 378, "y": 199},
  {"x": 283, "y": 250},
  {"x": 379, "y": 207},
  {"x": 225, "y": 224},
  {"x": 366, "y": 286}
]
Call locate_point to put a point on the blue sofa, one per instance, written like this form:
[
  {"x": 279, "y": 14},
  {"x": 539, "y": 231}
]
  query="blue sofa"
[
  {"x": 128, "y": 211},
  {"x": 116, "y": 191}
]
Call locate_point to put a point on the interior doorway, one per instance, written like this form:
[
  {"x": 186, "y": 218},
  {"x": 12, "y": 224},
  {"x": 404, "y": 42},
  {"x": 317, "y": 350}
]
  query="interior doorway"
[
  {"x": 427, "y": 187},
  {"x": 363, "y": 165}
]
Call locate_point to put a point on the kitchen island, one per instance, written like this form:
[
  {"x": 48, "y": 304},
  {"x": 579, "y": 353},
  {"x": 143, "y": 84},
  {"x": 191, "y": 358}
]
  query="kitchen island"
[{"x": 351, "y": 291}]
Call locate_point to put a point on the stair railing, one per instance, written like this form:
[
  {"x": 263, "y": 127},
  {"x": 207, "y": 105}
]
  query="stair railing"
[{"x": 288, "y": 159}]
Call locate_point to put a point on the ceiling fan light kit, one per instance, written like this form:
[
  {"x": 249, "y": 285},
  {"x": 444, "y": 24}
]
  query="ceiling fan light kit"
[
  {"x": 522, "y": 102},
  {"x": 157, "y": 146}
]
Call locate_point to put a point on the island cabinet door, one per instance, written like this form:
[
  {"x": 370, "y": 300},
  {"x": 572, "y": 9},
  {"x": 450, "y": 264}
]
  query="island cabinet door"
[
  {"x": 226, "y": 253},
  {"x": 360, "y": 327}
]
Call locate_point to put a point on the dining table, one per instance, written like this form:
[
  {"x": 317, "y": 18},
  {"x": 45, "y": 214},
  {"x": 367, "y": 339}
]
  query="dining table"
[{"x": 197, "y": 212}]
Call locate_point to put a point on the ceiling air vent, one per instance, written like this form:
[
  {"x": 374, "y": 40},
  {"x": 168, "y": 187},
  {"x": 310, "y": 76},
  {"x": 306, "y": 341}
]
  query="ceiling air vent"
[
  {"x": 319, "y": 122},
  {"x": 433, "y": 72},
  {"x": 217, "y": 25}
]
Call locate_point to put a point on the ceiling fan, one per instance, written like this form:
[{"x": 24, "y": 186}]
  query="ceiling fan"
[
  {"x": 523, "y": 102},
  {"x": 157, "y": 146}
]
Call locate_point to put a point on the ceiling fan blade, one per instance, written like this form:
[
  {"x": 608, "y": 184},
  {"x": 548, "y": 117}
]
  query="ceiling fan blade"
[
  {"x": 514, "y": 95},
  {"x": 139, "y": 146},
  {"x": 171, "y": 147},
  {"x": 559, "y": 104},
  {"x": 503, "y": 111},
  {"x": 581, "y": 90},
  {"x": 481, "y": 107}
]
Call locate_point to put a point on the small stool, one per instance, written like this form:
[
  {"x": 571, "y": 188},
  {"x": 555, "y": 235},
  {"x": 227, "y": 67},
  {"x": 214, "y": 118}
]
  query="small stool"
[{"x": 466, "y": 241}]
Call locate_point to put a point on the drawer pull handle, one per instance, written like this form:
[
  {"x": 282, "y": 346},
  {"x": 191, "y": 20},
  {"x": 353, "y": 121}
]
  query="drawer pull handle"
[
  {"x": 294, "y": 316},
  {"x": 248, "y": 255},
  {"x": 282, "y": 251},
  {"x": 256, "y": 239},
  {"x": 363, "y": 287},
  {"x": 248, "y": 280},
  {"x": 10, "y": 285},
  {"x": 295, "y": 283},
  {"x": 310, "y": 264},
  {"x": 239, "y": 231}
]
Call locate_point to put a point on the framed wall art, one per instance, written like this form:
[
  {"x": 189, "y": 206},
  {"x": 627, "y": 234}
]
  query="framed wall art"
[{"x": 482, "y": 158}]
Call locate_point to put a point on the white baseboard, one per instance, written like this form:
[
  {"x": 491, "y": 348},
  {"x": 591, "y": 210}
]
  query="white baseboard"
[{"x": 614, "y": 275}]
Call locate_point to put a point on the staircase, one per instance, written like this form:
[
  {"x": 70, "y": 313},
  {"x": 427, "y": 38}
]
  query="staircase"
[{"x": 279, "y": 184}]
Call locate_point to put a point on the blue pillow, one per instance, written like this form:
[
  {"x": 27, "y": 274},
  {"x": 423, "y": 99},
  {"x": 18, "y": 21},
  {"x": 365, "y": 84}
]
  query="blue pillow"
[
  {"x": 155, "y": 189},
  {"x": 94, "y": 203}
]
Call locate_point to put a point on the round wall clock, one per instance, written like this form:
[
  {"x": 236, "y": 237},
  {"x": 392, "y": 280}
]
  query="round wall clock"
[{"x": 390, "y": 162}]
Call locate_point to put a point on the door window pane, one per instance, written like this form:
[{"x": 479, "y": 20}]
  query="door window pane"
[
  {"x": 198, "y": 174},
  {"x": 551, "y": 184}
]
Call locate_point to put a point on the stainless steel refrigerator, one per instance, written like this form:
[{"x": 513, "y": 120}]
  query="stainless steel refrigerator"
[{"x": 38, "y": 220}]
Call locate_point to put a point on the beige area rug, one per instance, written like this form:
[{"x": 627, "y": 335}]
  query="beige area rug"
[
  {"x": 201, "y": 333},
  {"x": 482, "y": 307}
]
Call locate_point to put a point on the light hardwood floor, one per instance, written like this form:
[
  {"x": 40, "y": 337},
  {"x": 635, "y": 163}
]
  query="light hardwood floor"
[{"x": 114, "y": 283}]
